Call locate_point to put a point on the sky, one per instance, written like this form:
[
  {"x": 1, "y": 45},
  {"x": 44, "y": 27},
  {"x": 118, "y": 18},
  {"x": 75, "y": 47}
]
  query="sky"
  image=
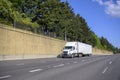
[{"x": 102, "y": 16}]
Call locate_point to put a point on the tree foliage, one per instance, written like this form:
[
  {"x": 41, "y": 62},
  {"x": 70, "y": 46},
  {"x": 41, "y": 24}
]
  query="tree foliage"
[{"x": 52, "y": 18}]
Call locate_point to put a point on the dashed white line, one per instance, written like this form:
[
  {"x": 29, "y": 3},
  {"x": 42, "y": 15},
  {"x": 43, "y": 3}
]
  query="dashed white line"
[
  {"x": 3, "y": 77},
  {"x": 35, "y": 70},
  {"x": 75, "y": 62},
  {"x": 83, "y": 60},
  {"x": 43, "y": 61},
  {"x": 68, "y": 63},
  {"x": 59, "y": 65},
  {"x": 110, "y": 62},
  {"x": 105, "y": 70}
]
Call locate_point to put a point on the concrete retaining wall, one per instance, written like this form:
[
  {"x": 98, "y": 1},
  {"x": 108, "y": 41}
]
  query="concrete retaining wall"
[
  {"x": 97, "y": 51},
  {"x": 19, "y": 44},
  {"x": 15, "y": 42}
]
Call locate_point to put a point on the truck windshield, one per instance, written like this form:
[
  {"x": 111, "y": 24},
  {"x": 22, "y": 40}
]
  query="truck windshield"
[{"x": 68, "y": 47}]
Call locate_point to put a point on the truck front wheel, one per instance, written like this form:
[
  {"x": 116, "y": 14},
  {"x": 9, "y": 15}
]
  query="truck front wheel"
[{"x": 72, "y": 56}]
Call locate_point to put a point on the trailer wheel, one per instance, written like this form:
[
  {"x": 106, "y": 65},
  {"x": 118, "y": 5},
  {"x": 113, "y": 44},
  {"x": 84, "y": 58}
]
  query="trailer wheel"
[{"x": 80, "y": 55}]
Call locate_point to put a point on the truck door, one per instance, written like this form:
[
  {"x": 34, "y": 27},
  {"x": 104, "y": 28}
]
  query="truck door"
[{"x": 77, "y": 47}]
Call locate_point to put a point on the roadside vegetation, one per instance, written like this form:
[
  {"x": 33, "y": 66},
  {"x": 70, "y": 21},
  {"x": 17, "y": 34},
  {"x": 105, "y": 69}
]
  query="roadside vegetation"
[{"x": 51, "y": 18}]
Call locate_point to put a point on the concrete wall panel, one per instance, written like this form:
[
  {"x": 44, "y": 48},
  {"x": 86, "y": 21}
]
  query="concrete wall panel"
[{"x": 15, "y": 42}]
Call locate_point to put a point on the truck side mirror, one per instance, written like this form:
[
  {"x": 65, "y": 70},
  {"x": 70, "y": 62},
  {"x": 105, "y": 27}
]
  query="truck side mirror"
[{"x": 73, "y": 48}]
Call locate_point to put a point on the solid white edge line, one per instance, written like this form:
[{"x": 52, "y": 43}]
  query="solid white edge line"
[
  {"x": 59, "y": 65},
  {"x": 20, "y": 64},
  {"x": 110, "y": 62},
  {"x": 105, "y": 70},
  {"x": 43, "y": 61},
  {"x": 3, "y": 77},
  {"x": 35, "y": 70}
]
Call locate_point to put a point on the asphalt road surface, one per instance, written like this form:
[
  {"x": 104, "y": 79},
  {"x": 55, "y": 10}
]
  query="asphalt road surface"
[{"x": 105, "y": 67}]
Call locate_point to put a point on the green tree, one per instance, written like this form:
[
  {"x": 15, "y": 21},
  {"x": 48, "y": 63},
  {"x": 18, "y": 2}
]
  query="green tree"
[
  {"x": 53, "y": 18},
  {"x": 5, "y": 12}
]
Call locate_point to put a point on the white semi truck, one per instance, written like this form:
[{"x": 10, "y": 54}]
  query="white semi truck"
[{"x": 76, "y": 49}]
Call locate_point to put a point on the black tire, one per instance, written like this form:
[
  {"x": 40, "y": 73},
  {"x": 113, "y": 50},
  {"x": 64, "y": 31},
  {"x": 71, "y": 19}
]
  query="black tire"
[
  {"x": 89, "y": 54},
  {"x": 72, "y": 56},
  {"x": 80, "y": 55}
]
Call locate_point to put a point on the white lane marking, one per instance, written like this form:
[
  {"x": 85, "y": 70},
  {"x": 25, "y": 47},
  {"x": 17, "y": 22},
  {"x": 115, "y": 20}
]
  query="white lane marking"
[
  {"x": 68, "y": 63},
  {"x": 35, "y": 70},
  {"x": 20, "y": 64},
  {"x": 110, "y": 62},
  {"x": 43, "y": 61},
  {"x": 75, "y": 62},
  {"x": 3, "y": 77},
  {"x": 105, "y": 70},
  {"x": 59, "y": 65},
  {"x": 83, "y": 60}
]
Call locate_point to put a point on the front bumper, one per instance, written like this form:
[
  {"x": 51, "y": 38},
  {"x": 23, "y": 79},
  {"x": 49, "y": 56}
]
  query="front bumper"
[{"x": 66, "y": 55}]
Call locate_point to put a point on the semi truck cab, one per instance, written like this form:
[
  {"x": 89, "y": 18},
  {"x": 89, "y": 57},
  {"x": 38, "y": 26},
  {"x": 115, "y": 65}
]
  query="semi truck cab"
[
  {"x": 76, "y": 49},
  {"x": 68, "y": 51}
]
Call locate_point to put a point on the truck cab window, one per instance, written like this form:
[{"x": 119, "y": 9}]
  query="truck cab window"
[
  {"x": 68, "y": 47},
  {"x": 73, "y": 48}
]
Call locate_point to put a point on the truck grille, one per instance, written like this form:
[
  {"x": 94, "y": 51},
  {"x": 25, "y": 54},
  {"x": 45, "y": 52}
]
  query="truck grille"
[{"x": 65, "y": 52}]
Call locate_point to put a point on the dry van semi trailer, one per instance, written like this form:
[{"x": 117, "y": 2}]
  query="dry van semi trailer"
[{"x": 76, "y": 49}]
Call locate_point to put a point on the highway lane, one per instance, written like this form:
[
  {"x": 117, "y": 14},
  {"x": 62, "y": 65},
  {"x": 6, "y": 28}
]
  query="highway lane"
[{"x": 84, "y": 68}]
